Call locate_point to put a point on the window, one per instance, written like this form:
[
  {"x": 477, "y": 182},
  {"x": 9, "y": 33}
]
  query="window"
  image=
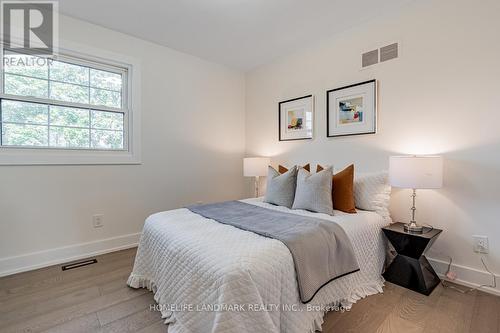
[{"x": 63, "y": 103}]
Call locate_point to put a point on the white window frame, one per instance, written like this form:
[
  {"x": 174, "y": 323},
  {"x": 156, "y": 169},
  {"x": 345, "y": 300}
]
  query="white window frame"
[{"x": 98, "y": 59}]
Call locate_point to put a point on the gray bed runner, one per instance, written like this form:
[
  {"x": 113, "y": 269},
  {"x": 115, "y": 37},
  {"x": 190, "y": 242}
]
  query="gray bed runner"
[{"x": 321, "y": 250}]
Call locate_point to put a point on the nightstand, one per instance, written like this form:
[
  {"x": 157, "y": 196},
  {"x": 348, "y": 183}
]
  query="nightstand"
[{"x": 410, "y": 268}]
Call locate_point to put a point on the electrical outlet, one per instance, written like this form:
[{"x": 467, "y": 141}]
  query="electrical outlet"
[
  {"x": 480, "y": 244},
  {"x": 98, "y": 220}
]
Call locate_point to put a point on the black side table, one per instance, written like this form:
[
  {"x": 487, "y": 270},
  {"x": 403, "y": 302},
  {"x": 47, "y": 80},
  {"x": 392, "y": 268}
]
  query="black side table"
[{"x": 410, "y": 268}]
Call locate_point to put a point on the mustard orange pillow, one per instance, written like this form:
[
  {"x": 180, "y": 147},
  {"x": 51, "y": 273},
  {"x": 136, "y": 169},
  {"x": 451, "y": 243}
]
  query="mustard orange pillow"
[
  {"x": 282, "y": 169},
  {"x": 343, "y": 189}
]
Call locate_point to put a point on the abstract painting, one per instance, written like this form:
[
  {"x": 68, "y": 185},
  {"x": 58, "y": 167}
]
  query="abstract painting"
[
  {"x": 296, "y": 118},
  {"x": 352, "y": 110}
]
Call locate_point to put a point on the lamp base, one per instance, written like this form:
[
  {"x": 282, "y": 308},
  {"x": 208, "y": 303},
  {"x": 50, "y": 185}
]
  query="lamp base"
[
  {"x": 256, "y": 186},
  {"x": 413, "y": 228}
]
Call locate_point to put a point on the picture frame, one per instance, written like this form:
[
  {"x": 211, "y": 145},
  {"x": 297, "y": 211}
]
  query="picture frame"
[
  {"x": 352, "y": 110},
  {"x": 296, "y": 119}
]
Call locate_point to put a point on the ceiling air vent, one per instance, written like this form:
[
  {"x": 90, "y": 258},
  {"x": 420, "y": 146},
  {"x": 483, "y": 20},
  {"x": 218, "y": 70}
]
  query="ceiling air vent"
[
  {"x": 369, "y": 58},
  {"x": 389, "y": 52}
]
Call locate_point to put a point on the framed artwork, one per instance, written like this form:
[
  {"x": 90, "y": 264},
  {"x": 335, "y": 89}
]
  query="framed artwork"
[
  {"x": 296, "y": 118},
  {"x": 352, "y": 110}
]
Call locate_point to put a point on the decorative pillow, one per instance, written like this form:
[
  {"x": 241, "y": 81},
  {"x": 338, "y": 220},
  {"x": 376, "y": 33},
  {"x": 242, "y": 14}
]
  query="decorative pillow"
[
  {"x": 343, "y": 189},
  {"x": 281, "y": 188},
  {"x": 282, "y": 169},
  {"x": 373, "y": 192},
  {"x": 314, "y": 191}
]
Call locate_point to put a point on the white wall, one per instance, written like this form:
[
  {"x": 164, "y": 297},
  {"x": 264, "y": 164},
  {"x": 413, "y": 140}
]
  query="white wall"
[
  {"x": 192, "y": 150},
  {"x": 441, "y": 97}
]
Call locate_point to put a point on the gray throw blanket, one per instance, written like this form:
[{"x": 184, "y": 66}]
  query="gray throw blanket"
[{"x": 321, "y": 250}]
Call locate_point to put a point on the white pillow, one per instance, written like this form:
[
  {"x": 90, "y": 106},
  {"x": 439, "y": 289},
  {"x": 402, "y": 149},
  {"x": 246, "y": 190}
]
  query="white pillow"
[{"x": 373, "y": 192}]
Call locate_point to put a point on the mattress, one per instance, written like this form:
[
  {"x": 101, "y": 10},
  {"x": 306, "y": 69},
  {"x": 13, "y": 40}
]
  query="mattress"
[{"x": 211, "y": 277}]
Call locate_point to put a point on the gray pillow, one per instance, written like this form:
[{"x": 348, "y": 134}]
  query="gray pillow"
[
  {"x": 281, "y": 188},
  {"x": 314, "y": 191}
]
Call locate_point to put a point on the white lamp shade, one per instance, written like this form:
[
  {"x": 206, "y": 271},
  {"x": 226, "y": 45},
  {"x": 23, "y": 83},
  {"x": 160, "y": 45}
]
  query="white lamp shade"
[
  {"x": 418, "y": 172},
  {"x": 255, "y": 166}
]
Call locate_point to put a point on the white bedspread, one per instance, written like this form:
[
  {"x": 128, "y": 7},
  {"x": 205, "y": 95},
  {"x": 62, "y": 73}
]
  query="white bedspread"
[{"x": 194, "y": 265}]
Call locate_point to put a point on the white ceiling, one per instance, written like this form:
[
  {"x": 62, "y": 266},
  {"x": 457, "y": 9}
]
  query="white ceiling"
[{"x": 239, "y": 33}]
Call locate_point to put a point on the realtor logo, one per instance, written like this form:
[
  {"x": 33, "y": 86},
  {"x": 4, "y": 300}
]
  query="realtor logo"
[{"x": 30, "y": 26}]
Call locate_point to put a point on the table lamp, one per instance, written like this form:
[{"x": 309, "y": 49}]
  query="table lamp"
[
  {"x": 415, "y": 172},
  {"x": 255, "y": 167}
]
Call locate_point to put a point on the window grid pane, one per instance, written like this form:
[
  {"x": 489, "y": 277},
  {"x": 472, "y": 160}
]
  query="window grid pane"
[
  {"x": 32, "y": 66},
  {"x": 69, "y": 137},
  {"x": 107, "y": 120},
  {"x": 69, "y": 73},
  {"x": 16, "y": 84},
  {"x": 103, "y": 139},
  {"x": 69, "y": 117},
  {"x": 24, "y": 135},
  {"x": 105, "y": 97},
  {"x": 105, "y": 80},
  {"x": 27, "y": 113},
  {"x": 69, "y": 92}
]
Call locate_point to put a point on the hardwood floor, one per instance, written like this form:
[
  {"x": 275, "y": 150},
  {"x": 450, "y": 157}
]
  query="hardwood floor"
[{"x": 96, "y": 298}]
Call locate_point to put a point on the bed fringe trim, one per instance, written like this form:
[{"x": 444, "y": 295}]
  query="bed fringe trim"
[{"x": 138, "y": 281}]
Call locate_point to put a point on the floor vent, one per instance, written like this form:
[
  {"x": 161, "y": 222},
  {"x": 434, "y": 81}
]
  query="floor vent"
[{"x": 79, "y": 264}]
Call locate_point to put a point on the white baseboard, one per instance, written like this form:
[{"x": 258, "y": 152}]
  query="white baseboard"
[
  {"x": 35, "y": 260},
  {"x": 466, "y": 276}
]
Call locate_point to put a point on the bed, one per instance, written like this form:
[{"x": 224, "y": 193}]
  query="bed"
[{"x": 211, "y": 277}]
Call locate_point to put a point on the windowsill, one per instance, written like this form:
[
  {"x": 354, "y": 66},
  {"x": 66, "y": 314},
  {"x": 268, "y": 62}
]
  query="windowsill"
[{"x": 26, "y": 156}]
